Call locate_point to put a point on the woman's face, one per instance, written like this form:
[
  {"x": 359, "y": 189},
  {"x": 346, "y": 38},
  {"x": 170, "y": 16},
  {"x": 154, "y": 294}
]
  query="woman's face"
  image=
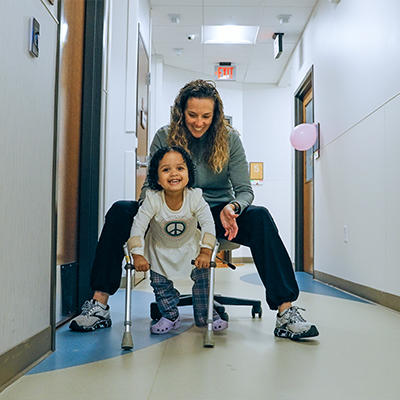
[{"x": 199, "y": 115}]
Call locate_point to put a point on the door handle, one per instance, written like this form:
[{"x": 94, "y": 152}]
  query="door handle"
[{"x": 140, "y": 164}]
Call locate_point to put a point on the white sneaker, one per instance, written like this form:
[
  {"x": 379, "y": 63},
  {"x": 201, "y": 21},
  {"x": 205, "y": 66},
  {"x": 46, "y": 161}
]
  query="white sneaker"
[
  {"x": 293, "y": 326},
  {"x": 94, "y": 315}
]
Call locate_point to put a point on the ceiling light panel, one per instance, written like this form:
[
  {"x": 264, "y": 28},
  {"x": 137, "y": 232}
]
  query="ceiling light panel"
[{"x": 229, "y": 34}]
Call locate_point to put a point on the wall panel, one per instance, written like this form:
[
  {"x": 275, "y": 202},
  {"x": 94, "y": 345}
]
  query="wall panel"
[
  {"x": 27, "y": 87},
  {"x": 350, "y": 191},
  {"x": 392, "y": 195},
  {"x": 354, "y": 49}
]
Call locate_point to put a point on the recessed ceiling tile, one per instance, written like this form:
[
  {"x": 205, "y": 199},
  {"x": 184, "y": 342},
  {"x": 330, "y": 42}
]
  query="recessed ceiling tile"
[
  {"x": 232, "y": 15},
  {"x": 187, "y": 15}
]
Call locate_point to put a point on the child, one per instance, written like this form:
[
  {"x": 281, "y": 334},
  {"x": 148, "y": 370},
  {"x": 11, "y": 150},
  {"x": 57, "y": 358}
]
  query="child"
[{"x": 172, "y": 211}]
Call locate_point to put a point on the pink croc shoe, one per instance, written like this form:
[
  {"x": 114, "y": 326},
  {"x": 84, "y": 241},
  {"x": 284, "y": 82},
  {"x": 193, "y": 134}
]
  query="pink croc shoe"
[
  {"x": 219, "y": 325},
  {"x": 165, "y": 325}
]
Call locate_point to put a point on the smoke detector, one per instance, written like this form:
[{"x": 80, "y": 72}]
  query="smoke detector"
[
  {"x": 174, "y": 18},
  {"x": 178, "y": 51},
  {"x": 284, "y": 18}
]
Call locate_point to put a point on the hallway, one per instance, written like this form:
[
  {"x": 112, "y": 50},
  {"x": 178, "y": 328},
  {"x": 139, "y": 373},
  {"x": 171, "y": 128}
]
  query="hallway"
[{"x": 354, "y": 358}]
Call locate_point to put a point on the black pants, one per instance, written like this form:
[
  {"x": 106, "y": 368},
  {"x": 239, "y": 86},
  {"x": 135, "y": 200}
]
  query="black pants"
[{"x": 257, "y": 230}]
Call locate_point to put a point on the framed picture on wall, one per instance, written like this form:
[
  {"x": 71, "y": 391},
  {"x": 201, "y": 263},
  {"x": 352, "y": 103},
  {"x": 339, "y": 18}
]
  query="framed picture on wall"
[{"x": 256, "y": 171}]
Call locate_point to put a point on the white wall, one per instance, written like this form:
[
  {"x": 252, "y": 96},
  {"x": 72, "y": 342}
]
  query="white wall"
[
  {"x": 267, "y": 122},
  {"x": 119, "y": 141},
  {"x": 27, "y": 87},
  {"x": 354, "y": 47}
]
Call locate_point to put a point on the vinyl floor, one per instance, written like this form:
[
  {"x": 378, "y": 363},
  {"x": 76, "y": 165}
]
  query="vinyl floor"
[{"x": 355, "y": 357}]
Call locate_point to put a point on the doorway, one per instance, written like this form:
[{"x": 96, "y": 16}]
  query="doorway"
[
  {"x": 78, "y": 151},
  {"x": 72, "y": 22},
  {"x": 142, "y": 118},
  {"x": 304, "y": 181},
  {"x": 142, "y": 114}
]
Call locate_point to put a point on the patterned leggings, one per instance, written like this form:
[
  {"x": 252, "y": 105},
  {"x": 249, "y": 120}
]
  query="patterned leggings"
[{"x": 167, "y": 297}]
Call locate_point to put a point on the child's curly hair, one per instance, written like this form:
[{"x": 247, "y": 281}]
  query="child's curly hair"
[{"x": 152, "y": 176}]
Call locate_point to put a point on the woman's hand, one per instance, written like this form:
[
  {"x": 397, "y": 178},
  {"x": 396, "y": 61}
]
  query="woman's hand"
[
  {"x": 140, "y": 263},
  {"x": 203, "y": 259},
  {"x": 228, "y": 220}
]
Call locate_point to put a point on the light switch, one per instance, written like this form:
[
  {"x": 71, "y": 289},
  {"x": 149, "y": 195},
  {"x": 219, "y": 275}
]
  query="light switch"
[{"x": 34, "y": 39}]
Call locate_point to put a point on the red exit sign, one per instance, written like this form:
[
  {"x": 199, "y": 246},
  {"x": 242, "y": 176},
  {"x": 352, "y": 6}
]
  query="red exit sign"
[{"x": 225, "y": 73}]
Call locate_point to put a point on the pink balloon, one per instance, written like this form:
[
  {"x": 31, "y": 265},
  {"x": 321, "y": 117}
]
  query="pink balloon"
[{"x": 303, "y": 136}]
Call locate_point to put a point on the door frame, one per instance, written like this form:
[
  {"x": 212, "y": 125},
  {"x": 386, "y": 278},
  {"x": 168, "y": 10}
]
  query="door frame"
[
  {"x": 142, "y": 112},
  {"x": 305, "y": 86},
  {"x": 90, "y": 146},
  {"x": 142, "y": 124}
]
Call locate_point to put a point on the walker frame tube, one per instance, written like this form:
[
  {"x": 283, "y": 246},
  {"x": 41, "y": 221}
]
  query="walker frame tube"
[
  {"x": 209, "y": 336},
  {"x": 127, "y": 341}
]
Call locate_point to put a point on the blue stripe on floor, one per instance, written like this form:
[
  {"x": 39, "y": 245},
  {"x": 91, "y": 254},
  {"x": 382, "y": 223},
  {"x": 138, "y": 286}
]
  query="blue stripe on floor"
[
  {"x": 308, "y": 284},
  {"x": 77, "y": 348}
]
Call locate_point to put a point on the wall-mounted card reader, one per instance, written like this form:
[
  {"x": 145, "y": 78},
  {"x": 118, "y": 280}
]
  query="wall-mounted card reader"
[{"x": 34, "y": 39}]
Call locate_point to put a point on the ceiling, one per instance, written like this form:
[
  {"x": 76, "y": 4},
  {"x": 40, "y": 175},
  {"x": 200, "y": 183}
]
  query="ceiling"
[{"x": 254, "y": 63}]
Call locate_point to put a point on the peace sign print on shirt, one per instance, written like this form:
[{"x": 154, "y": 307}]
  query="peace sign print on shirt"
[{"x": 175, "y": 228}]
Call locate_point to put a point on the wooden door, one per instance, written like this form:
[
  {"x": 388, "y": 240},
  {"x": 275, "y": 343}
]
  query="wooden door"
[
  {"x": 72, "y": 20},
  {"x": 304, "y": 181}
]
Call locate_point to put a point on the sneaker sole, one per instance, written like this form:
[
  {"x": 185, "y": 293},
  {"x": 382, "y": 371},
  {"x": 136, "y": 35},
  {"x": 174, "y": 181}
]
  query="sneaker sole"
[
  {"x": 98, "y": 325},
  {"x": 284, "y": 333},
  {"x": 220, "y": 326},
  {"x": 175, "y": 325}
]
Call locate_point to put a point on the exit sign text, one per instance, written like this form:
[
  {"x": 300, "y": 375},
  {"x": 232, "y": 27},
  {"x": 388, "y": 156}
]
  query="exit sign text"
[{"x": 226, "y": 73}]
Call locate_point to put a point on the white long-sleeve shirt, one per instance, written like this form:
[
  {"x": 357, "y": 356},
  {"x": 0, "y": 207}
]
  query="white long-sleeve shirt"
[{"x": 173, "y": 238}]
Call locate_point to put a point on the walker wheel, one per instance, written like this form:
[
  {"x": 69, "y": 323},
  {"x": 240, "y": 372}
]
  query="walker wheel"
[{"x": 256, "y": 310}]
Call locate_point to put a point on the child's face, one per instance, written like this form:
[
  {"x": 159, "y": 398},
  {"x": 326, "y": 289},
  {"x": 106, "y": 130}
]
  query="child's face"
[{"x": 173, "y": 174}]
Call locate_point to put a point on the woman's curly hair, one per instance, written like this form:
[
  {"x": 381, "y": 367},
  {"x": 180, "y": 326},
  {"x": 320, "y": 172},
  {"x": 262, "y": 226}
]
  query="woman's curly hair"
[
  {"x": 216, "y": 151},
  {"x": 152, "y": 175}
]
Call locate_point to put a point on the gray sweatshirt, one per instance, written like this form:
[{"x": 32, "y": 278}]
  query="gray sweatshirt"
[{"x": 231, "y": 184}]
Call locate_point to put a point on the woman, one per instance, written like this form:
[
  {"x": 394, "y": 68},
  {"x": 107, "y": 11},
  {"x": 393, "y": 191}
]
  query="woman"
[{"x": 198, "y": 125}]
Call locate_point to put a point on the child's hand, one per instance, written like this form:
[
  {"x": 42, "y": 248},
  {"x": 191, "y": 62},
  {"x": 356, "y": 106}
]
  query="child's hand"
[
  {"x": 140, "y": 263},
  {"x": 203, "y": 260}
]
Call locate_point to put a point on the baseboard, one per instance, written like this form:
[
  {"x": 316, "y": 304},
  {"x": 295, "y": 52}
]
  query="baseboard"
[
  {"x": 20, "y": 359},
  {"x": 242, "y": 260},
  {"x": 376, "y": 296}
]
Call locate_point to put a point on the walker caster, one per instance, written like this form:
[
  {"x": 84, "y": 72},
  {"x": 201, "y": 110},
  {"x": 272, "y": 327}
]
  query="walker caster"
[{"x": 256, "y": 310}]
